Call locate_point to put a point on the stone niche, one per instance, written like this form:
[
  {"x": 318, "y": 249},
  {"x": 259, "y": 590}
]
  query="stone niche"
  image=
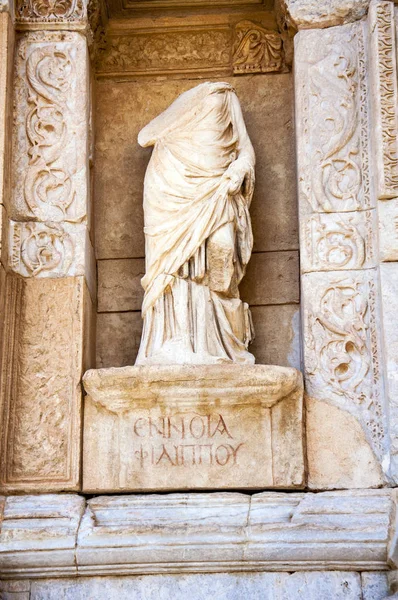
[
  {"x": 271, "y": 284},
  {"x": 144, "y": 427}
]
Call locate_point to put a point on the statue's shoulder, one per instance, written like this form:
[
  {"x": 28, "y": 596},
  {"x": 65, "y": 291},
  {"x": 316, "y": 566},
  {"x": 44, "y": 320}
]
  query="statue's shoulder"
[{"x": 179, "y": 109}]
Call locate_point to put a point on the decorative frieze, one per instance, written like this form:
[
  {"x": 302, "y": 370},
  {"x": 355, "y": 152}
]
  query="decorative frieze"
[
  {"x": 383, "y": 72},
  {"x": 195, "y": 533},
  {"x": 218, "y": 49},
  {"x": 51, "y": 127}
]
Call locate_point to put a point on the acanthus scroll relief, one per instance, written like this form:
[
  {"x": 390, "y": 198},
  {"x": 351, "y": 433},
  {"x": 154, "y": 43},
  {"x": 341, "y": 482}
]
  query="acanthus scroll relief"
[
  {"x": 256, "y": 50},
  {"x": 338, "y": 183},
  {"x": 49, "y": 189},
  {"x": 342, "y": 348}
]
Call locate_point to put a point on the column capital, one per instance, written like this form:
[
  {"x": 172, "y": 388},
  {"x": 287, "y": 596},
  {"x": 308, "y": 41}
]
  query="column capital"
[{"x": 51, "y": 14}]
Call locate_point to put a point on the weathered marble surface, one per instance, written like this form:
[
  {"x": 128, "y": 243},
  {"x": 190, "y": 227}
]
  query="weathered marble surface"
[
  {"x": 307, "y": 585},
  {"x": 47, "y": 335},
  {"x": 313, "y": 14},
  {"x": 185, "y": 427},
  {"x": 277, "y": 341},
  {"x": 223, "y": 586},
  {"x": 338, "y": 453},
  {"x": 198, "y": 188},
  {"x": 38, "y": 534},
  {"x": 43, "y": 536}
]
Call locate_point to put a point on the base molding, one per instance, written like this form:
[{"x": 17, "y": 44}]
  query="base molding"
[{"x": 51, "y": 536}]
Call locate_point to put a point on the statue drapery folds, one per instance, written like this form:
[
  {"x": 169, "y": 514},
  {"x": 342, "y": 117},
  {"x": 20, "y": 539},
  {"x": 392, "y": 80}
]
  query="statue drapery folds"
[{"x": 198, "y": 238}]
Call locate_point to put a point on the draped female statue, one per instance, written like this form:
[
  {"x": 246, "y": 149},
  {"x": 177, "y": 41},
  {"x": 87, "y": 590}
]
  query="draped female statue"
[{"x": 198, "y": 237}]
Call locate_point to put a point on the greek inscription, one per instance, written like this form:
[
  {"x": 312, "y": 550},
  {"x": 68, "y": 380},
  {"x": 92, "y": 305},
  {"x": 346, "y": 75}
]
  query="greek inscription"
[{"x": 184, "y": 441}]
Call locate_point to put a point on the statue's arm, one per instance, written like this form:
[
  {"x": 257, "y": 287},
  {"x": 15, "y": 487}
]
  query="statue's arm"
[
  {"x": 240, "y": 172},
  {"x": 245, "y": 148}
]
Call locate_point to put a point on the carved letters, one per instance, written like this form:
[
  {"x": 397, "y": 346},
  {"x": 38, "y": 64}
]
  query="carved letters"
[{"x": 256, "y": 50}]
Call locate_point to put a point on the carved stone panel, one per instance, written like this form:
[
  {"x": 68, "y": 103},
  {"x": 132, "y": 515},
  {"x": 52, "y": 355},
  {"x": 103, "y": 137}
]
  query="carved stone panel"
[
  {"x": 332, "y": 120},
  {"x": 51, "y": 249},
  {"x": 183, "y": 48},
  {"x": 48, "y": 249},
  {"x": 342, "y": 348},
  {"x": 383, "y": 72},
  {"x": 41, "y": 393},
  {"x": 50, "y": 141},
  {"x": 338, "y": 241}
]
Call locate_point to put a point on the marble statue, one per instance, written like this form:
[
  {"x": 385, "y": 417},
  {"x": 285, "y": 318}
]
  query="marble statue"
[{"x": 198, "y": 238}]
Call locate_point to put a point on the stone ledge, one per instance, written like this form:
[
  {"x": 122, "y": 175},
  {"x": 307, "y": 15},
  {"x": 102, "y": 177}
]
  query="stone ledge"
[{"x": 43, "y": 536}]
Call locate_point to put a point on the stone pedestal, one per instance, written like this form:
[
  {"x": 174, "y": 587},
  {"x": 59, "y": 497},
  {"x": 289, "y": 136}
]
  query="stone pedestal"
[{"x": 194, "y": 427}]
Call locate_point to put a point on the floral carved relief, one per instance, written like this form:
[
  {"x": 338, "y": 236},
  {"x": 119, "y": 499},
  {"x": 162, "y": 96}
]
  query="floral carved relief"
[
  {"x": 256, "y": 50},
  {"x": 165, "y": 51},
  {"x": 343, "y": 349},
  {"x": 338, "y": 241},
  {"x": 50, "y": 133},
  {"x": 383, "y": 48},
  {"x": 40, "y": 249},
  {"x": 335, "y": 177},
  {"x": 52, "y": 11},
  {"x": 48, "y": 182},
  {"x": 249, "y": 48}
]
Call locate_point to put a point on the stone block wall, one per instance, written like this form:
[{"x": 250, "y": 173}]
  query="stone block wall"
[{"x": 271, "y": 284}]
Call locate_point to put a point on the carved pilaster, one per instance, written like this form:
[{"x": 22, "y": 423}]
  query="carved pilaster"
[
  {"x": 50, "y": 288},
  {"x": 338, "y": 224},
  {"x": 347, "y": 131}
]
